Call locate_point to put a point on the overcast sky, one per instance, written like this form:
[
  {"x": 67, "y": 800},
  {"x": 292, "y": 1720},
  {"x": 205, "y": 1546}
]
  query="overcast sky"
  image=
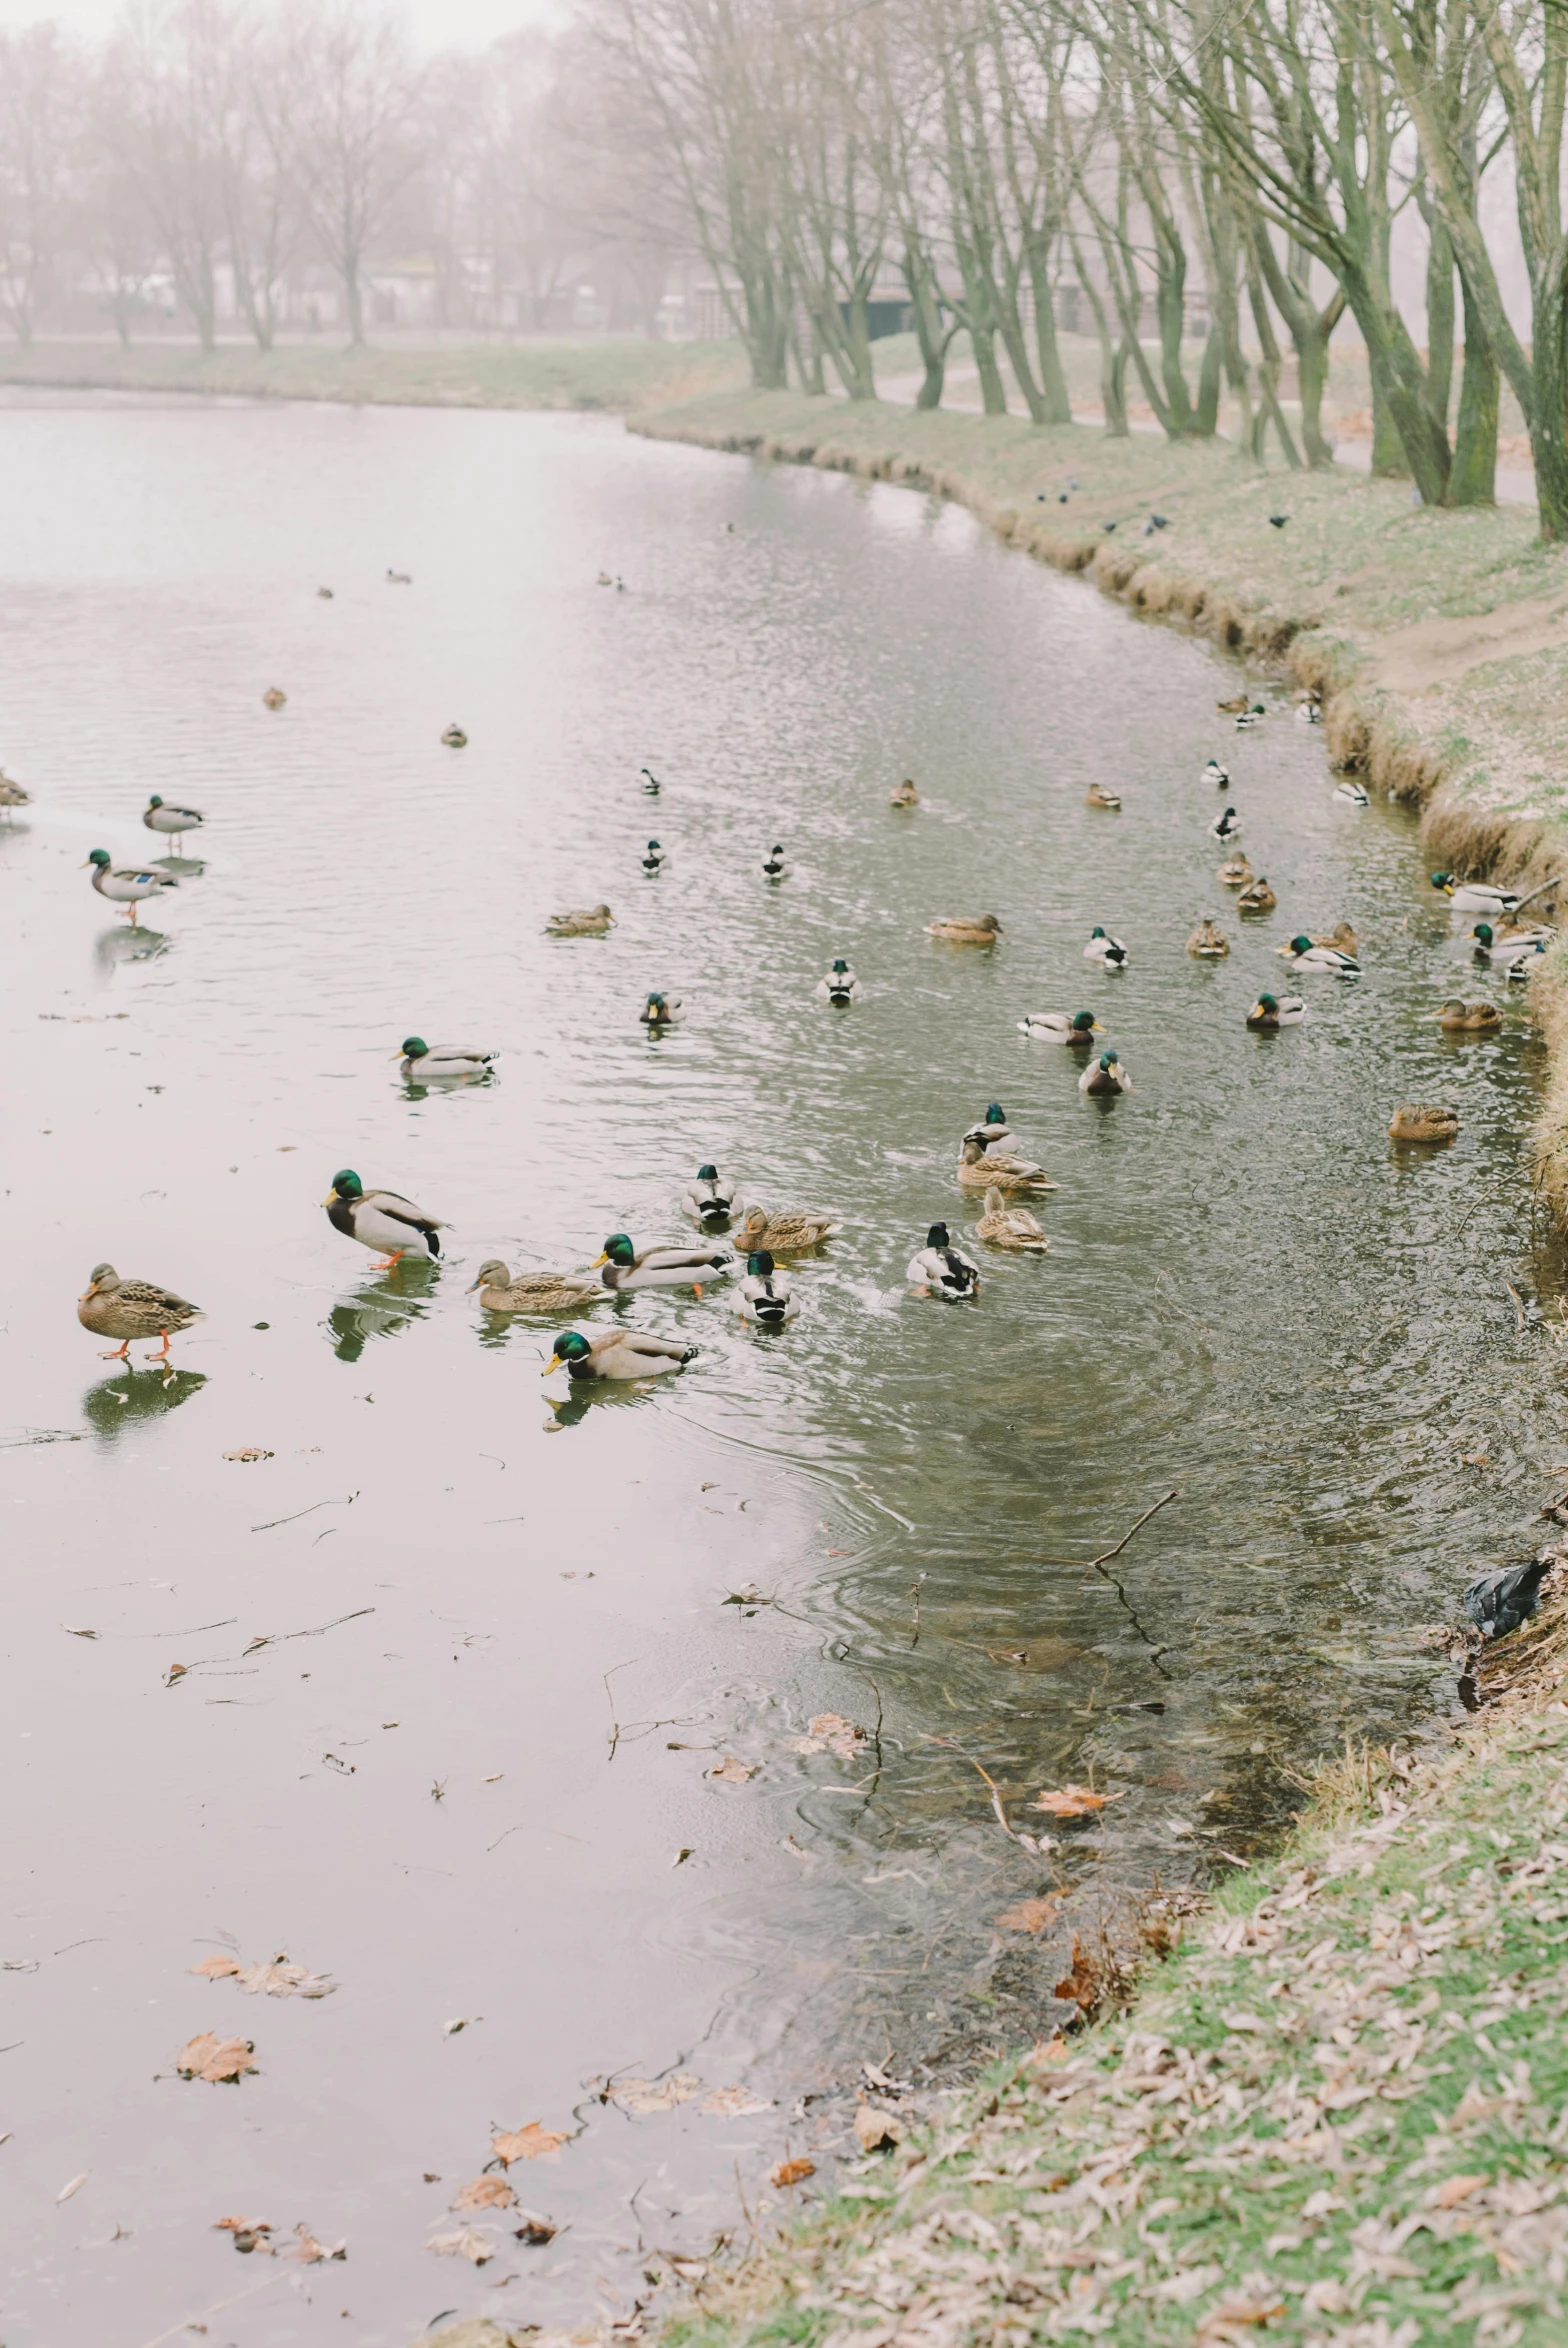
[{"x": 435, "y": 24}]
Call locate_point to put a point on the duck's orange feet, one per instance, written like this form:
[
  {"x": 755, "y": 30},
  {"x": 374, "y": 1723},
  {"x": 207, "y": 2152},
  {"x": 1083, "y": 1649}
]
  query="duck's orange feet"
[
  {"x": 390, "y": 1263},
  {"x": 121, "y": 1353}
]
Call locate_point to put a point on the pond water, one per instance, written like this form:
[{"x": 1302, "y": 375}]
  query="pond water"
[{"x": 467, "y": 1775}]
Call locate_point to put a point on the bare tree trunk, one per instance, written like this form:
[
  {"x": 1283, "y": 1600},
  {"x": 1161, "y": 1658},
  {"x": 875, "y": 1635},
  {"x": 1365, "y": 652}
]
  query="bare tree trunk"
[{"x": 1473, "y": 480}]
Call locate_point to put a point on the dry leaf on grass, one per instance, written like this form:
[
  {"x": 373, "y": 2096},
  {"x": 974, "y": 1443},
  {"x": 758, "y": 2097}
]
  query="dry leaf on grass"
[
  {"x": 733, "y": 1772},
  {"x": 1244, "y": 2311},
  {"x": 1075, "y": 1801},
  {"x": 485, "y": 2193},
  {"x": 733, "y": 2103},
  {"x": 1030, "y": 1915},
  {"x": 1455, "y": 2189},
  {"x": 530, "y": 2143},
  {"x": 535, "y": 2230},
  {"x": 206, "y": 2056},
  {"x": 831, "y": 1733},
  {"x": 876, "y": 2131},
  {"x": 465, "y": 2243},
  {"x": 656, "y": 2095},
  {"x": 793, "y": 2172}
]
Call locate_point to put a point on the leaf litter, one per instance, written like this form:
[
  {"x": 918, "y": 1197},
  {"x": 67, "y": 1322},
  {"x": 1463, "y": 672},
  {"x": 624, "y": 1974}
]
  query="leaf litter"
[
  {"x": 529, "y": 2143},
  {"x": 278, "y": 1978},
  {"x": 206, "y": 2056},
  {"x": 831, "y": 1733}
]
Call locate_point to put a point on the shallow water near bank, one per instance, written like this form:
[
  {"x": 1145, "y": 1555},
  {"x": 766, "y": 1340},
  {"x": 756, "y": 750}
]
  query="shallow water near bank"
[{"x": 466, "y": 1774}]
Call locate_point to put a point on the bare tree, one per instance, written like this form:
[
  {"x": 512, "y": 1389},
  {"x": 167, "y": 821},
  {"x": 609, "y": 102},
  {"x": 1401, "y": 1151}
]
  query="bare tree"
[{"x": 361, "y": 137}]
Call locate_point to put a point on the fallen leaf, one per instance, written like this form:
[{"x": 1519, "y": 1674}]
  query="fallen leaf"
[
  {"x": 793, "y": 2172},
  {"x": 176, "y": 1671},
  {"x": 733, "y": 2103},
  {"x": 493, "y": 1780},
  {"x": 1082, "y": 1985},
  {"x": 1075, "y": 1801},
  {"x": 248, "y": 1455},
  {"x": 530, "y": 2143},
  {"x": 459, "y": 2022},
  {"x": 74, "y": 1633},
  {"x": 831, "y": 1732},
  {"x": 206, "y": 2056},
  {"x": 74, "y": 2186},
  {"x": 733, "y": 1772},
  {"x": 876, "y": 2131},
  {"x": 1455, "y": 2189},
  {"x": 465, "y": 2243},
  {"x": 535, "y": 2229},
  {"x": 690, "y": 2270},
  {"x": 281, "y": 1979},
  {"x": 1238, "y": 2314},
  {"x": 1030, "y": 1915},
  {"x": 311, "y": 2252},
  {"x": 485, "y": 2193},
  {"x": 242, "y": 2225},
  {"x": 681, "y": 1856},
  {"x": 217, "y": 1969},
  {"x": 656, "y": 2095}
]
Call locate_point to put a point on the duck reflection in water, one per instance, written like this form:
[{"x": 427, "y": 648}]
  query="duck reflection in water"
[
  {"x": 383, "y": 1308},
  {"x": 130, "y": 1395},
  {"x": 113, "y": 947}
]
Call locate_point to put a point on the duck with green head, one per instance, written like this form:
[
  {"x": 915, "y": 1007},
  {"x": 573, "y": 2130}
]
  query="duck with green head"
[
  {"x": 421, "y": 1065},
  {"x": 381, "y": 1220},
  {"x": 764, "y": 1295},
  {"x": 616, "y": 1353},
  {"x": 1277, "y": 1011},
  {"x": 660, "y": 1267},
  {"x": 1105, "y": 1077},
  {"x": 1055, "y": 1027},
  {"x": 940, "y": 1269},
  {"x": 658, "y": 1013},
  {"x": 158, "y": 817},
  {"x": 124, "y": 885},
  {"x": 710, "y": 1200}
]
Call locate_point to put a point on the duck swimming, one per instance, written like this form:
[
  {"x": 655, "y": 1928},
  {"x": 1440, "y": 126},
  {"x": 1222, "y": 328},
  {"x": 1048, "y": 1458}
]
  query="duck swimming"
[
  {"x": 12, "y": 795},
  {"x": 658, "y": 1013},
  {"x": 904, "y": 796},
  {"x": 455, "y": 738},
  {"x": 112, "y": 1307},
  {"x": 124, "y": 885},
  {"x": 783, "y": 1233},
  {"x": 1234, "y": 706},
  {"x": 978, "y": 1169},
  {"x": 1226, "y": 826},
  {"x": 1250, "y": 717},
  {"x": 1010, "y": 1227},
  {"x": 839, "y": 985},
  {"x": 660, "y": 1267},
  {"x": 1217, "y": 774},
  {"x": 1098, "y": 796},
  {"x": 1302, "y": 954},
  {"x": 1456, "y": 1017},
  {"x": 709, "y": 1200},
  {"x": 983, "y": 930},
  {"x": 531, "y": 1292},
  {"x": 616, "y": 1353},
  {"x": 588, "y": 921},
  {"x": 994, "y": 1135},
  {"x": 764, "y": 1295},
  {"x": 1208, "y": 942},
  {"x": 381, "y": 1220},
  {"x": 1508, "y": 946},
  {"x": 1105, "y": 1075},
  {"x": 1277, "y": 1011},
  {"x": 171, "y": 820},
  {"x": 274, "y": 698},
  {"x": 1055, "y": 1027},
  {"x": 421, "y": 1065},
  {"x": 1423, "y": 1123},
  {"x": 1235, "y": 872},
  {"x": 655, "y": 860},
  {"x": 1109, "y": 952},
  {"x": 1475, "y": 896},
  {"x": 650, "y": 782},
  {"x": 775, "y": 867},
  {"x": 1352, "y": 794},
  {"x": 1257, "y": 897},
  {"x": 940, "y": 1269}
]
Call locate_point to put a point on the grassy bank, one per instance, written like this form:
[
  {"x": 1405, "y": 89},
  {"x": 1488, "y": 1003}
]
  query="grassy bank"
[{"x": 615, "y": 375}]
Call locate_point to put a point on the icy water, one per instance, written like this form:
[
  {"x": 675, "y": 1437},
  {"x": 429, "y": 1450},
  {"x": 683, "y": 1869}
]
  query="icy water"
[{"x": 467, "y": 1775}]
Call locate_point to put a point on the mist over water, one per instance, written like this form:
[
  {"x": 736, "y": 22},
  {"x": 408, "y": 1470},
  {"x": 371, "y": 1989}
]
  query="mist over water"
[{"x": 467, "y": 1798}]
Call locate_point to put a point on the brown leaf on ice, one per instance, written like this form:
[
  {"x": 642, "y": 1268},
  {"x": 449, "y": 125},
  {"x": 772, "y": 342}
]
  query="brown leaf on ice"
[
  {"x": 733, "y": 2103},
  {"x": 485, "y": 2193},
  {"x": 1455, "y": 2189},
  {"x": 831, "y": 1733},
  {"x": 242, "y": 2225},
  {"x": 311, "y": 2252},
  {"x": 876, "y": 2131},
  {"x": 248, "y": 1454},
  {"x": 530, "y": 2143},
  {"x": 1030, "y": 1915},
  {"x": 733, "y": 1772},
  {"x": 1075, "y": 1801},
  {"x": 534, "y": 2229},
  {"x": 206, "y": 2056},
  {"x": 793, "y": 2172},
  {"x": 217, "y": 1969},
  {"x": 281, "y": 1979},
  {"x": 465, "y": 2243},
  {"x": 176, "y": 1672},
  {"x": 656, "y": 2095}
]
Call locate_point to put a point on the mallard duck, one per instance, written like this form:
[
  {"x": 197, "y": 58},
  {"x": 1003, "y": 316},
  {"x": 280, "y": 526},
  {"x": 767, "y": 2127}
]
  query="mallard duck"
[
  {"x": 325, "y": 593},
  {"x": 940, "y": 1269},
  {"x": 660, "y": 1267},
  {"x": 531, "y": 1292},
  {"x": 1508, "y": 946},
  {"x": 783, "y": 1234},
  {"x": 1499, "y": 1602},
  {"x": 956, "y": 930},
  {"x": 170, "y": 820},
  {"x": 904, "y": 796},
  {"x": 1352, "y": 794},
  {"x": 1423, "y": 1122},
  {"x": 1098, "y": 796},
  {"x": 421, "y": 1065},
  {"x": 1234, "y": 706},
  {"x": 659, "y": 1012},
  {"x": 1475, "y": 896},
  {"x": 1208, "y": 942},
  {"x": 993, "y": 1133},
  {"x": 764, "y": 1295},
  {"x": 1236, "y": 872},
  {"x": 775, "y": 866},
  {"x": 1277, "y": 1011},
  {"x": 1227, "y": 825},
  {"x": 1105, "y": 1075},
  {"x": 1520, "y": 972},
  {"x": 586, "y": 921},
  {"x": 1109, "y": 952},
  {"x": 1257, "y": 897},
  {"x": 978, "y": 1170},
  {"x": 1217, "y": 774},
  {"x": 112, "y": 1307},
  {"x": 125, "y": 885},
  {"x": 12, "y": 795},
  {"x": 380, "y": 1220},
  {"x": 839, "y": 985},
  {"x": 616, "y": 1353},
  {"x": 1304, "y": 953},
  {"x": 1011, "y": 1227},
  {"x": 1456, "y": 1017},
  {"x": 1055, "y": 1027},
  {"x": 650, "y": 782},
  {"x": 399, "y": 578},
  {"x": 274, "y": 698},
  {"x": 709, "y": 1200},
  {"x": 604, "y": 580},
  {"x": 455, "y": 738},
  {"x": 1247, "y": 718},
  {"x": 1309, "y": 713},
  {"x": 655, "y": 860}
]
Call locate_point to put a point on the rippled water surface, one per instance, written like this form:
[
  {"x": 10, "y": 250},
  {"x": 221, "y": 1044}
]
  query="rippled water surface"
[{"x": 467, "y": 1773}]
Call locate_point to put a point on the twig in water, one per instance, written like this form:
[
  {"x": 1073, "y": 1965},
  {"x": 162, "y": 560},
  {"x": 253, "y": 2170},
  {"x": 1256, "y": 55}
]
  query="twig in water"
[
  {"x": 615, "y": 1726},
  {"x": 1541, "y": 891},
  {"x": 346, "y": 1501},
  {"x": 279, "y": 1638},
  {"x": 915, "y": 1594},
  {"x": 996, "y": 1799},
  {"x": 1521, "y": 1324},
  {"x": 187, "y": 2323},
  {"x": 1106, "y": 1555}
]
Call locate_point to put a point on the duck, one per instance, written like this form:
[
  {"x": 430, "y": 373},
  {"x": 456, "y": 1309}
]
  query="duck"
[
  {"x": 775, "y": 866},
  {"x": 660, "y": 1267},
  {"x": 274, "y": 698},
  {"x": 399, "y": 578},
  {"x": 710, "y": 1201},
  {"x": 455, "y": 738},
  {"x": 170, "y": 821},
  {"x": 1208, "y": 942},
  {"x": 1424, "y": 1122},
  {"x": 788, "y": 1233},
  {"x": 993, "y": 1133},
  {"x": 1309, "y": 713},
  {"x": 531, "y": 1292},
  {"x": 1109, "y": 952},
  {"x": 1234, "y": 706},
  {"x": 1098, "y": 796},
  {"x": 112, "y": 1307},
  {"x": 940, "y": 1269},
  {"x": 650, "y": 782},
  {"x": 1257, "y": 897},
  {"x": 1500, "y": 1602},
  {"x": 381, "y": 1220},
  {"x": 1475, "y": 896},
  {"x": 1010, "y": 1227},
  {"x": 421, "y": 1065},
  {"x": 905, "y": 795},
  {"x": 1227, "y": 825},
  {"x": 1457, "y": 1017},
  {"x": 1056, "y": 1027},
  {"x": 1353, "y": 794},
  {"x": 586, "y": 921},
  {"x": 1342, "y": 936},
  {"x": 764, "y": 1294},
  {"x": 1106, "y": 1075},
  {"x": 978, "y": 1170},
  {"x": 1277, "y": 1011},
  {"x": 1303, "y": 953},
  {"x": 958, "y": 930},
  {"x": 655, "y": 860},
  {"x": 658, "y": 1013},
  {"x": 1254, "y": 716},
  {"x": 1217, "y": 774},
  {"x": 1521, "y": 971},
  {"x": 12, "y": 795},
  {"x": 325, "y": 594},
  {"x": 1508, "y": 946},
  {"x": 604, "y": 580},
  {"x": 839, "y": 985},
  {"x": 616, "y": 1353},
  {"x": 1235, "y": 872},
  {"x": 125, "y": 885}
]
